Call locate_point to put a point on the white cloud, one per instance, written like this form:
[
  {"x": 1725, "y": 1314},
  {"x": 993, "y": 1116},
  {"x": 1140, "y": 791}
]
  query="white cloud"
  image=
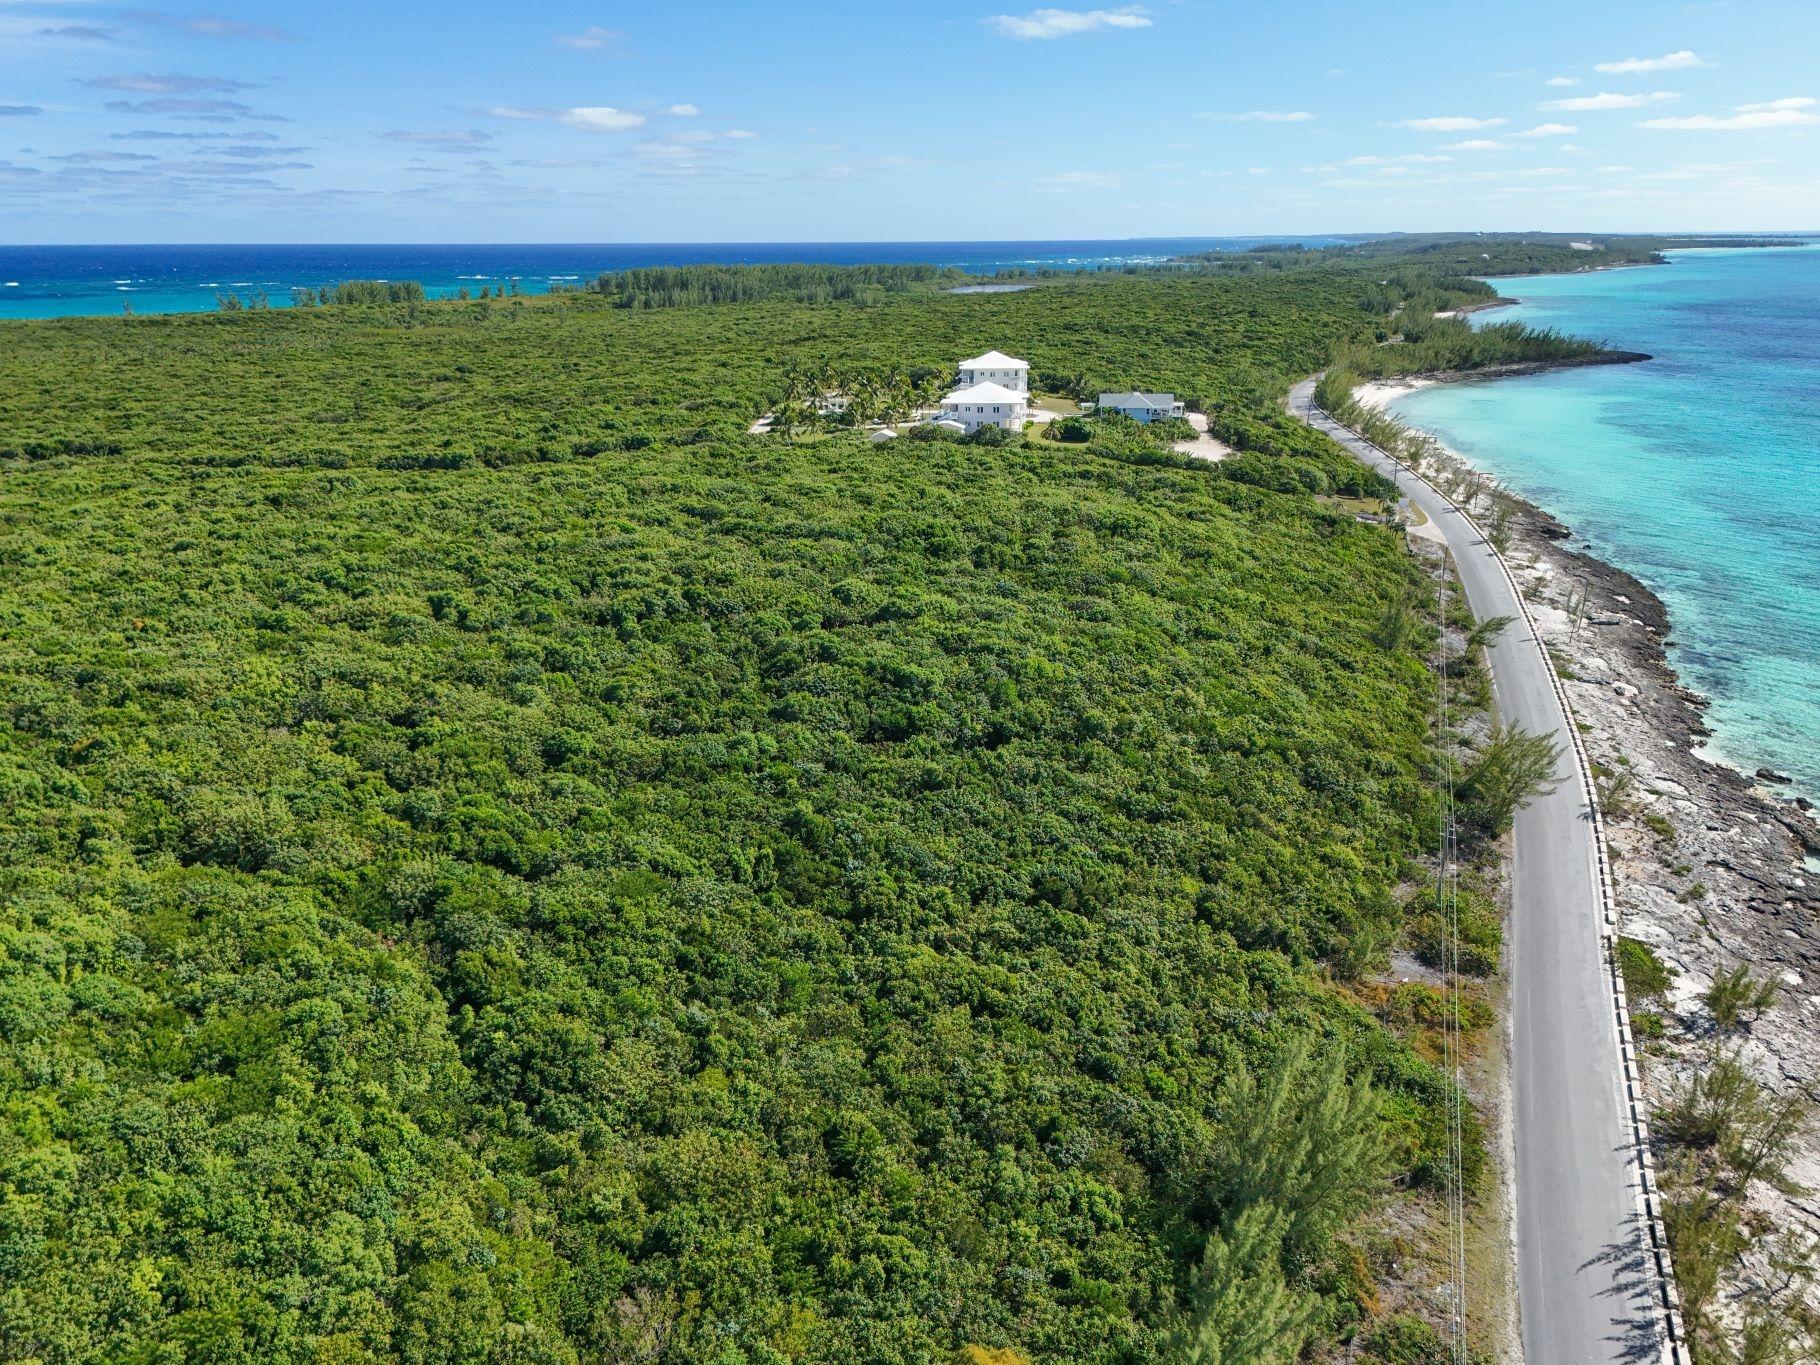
[
  {"x": 1550, "y": 130},
  {"x": 1562, "y": 80},
  {"x": 1451, "y": 124},
  {"x": 1632, "y": 66},
  {"x": 590, "y": 39},
  {"x": 147, "y": 84},
  {"x": 1416, "y": 159},
  {"x": 1259, "y": 170},
  {"x": 1478, "y": 144},
  {"x": 683, "y": 110},
  {"x": 453, "y": 138},
  {"x": 1546, "y": 171},
  {"x": 1708, "y": 170},
  {"x": 1061, "y": 23},
  {"x": 1264, "y": 116},
  {"x": 519, "y": 112},
  {"x": 1606, "y": 100},
  {"x": 699, "y": 137},
  {"x": 1069, "y": 181},
  {"x": 1789, "y": 113},
  {"x": 601, "y": 118}
]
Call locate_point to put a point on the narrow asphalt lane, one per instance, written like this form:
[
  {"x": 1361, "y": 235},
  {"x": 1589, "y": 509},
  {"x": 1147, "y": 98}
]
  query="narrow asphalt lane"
[{"x": 1586, "y": 1285}]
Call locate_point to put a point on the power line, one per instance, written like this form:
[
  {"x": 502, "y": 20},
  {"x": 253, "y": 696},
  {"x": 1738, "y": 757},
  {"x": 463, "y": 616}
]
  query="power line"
[{"x": 1447, "y": 906}]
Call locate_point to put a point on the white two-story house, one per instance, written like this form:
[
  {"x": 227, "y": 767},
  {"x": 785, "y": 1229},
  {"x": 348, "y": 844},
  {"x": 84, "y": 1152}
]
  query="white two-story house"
[{"x": 986, "y": 405}]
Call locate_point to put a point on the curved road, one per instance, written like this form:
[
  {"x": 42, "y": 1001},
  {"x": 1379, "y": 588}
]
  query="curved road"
[{"x": 1587, "y": 1287}]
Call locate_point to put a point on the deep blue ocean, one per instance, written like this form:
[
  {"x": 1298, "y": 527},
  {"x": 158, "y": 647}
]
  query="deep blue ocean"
[
  {"x": 1698, "y": 472},
  {"x": 72, "y": 281}
]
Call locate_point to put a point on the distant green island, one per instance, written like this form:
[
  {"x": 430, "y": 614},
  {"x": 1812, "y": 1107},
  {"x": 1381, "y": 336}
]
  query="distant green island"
[{"x": 503, "y": 864}]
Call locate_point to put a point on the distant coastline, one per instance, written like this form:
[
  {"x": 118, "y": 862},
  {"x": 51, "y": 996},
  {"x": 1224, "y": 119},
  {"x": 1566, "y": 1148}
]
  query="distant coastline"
[
  {"x": 99, "y": 281},
  {"x": 1734, "y": 755}
]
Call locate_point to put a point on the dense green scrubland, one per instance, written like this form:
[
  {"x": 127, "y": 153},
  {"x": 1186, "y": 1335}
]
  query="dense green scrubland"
[{"x": 500, "y": 865}]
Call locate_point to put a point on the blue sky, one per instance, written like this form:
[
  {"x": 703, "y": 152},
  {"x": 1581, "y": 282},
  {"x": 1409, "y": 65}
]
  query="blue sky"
[{"x": 706, "y": 120}]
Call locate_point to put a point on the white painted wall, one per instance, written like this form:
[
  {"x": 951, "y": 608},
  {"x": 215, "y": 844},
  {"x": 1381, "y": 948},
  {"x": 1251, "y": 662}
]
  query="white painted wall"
[
  {"x": 1010, "y": 379},
  {"x": 1010, "y": 416}
]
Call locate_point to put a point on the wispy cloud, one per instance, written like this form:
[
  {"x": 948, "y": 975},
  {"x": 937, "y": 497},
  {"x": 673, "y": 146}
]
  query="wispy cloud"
[
  {"x": 212, "y": 26},
  {"x": 594, "y": 118},
  {"x": 196, "y": 110},
  {"x": 601, "y": 118},
  {"x": 1606, "y": 100},
  {"x": 19, "y": 110},
  {"x": 1069, "y": 182},
  {"x": 102, "y": 158},
  {"x": 1550, "y": 130},
  {"x": 1264, "y": 116},
  {"x": 1788, "y": 113},
  {"x": 1451, "y": 124},
  {"x": 147, "y": 84},
  {"x": 683, "y": 110},
  {"x": 1632, "y": 66},
  {"x": 1062, "y": 23},
  {"x": 1478, "y": 144},
  {"x": 1562, "y": 80},
  {"x": 590, "y": 39},
  {"x": 677, "y": 148},
  {"x": 1414, "y": 159},
  {"x": 464, "y": 138},
  {"x": 81, "y": 33},
  {"x": 166, "y": 135}
]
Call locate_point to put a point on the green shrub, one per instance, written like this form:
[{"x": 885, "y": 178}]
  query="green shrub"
[
  {"x": 1646, "y": 976},
  {"x": 1406, "y": 1340},
  {"x": 1073, "y": 430}
]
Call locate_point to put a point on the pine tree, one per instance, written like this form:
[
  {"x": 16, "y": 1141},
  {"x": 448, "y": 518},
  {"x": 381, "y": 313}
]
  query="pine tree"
[{"x": 1244, "y": 1312}]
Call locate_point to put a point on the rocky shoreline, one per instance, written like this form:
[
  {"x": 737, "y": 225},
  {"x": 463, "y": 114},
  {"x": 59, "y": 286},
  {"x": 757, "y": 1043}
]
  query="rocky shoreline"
[{"x": 1714, "y": 867}]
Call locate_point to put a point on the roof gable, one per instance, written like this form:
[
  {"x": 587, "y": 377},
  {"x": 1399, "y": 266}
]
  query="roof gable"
[
  {"x": 995, "y": 360},
  {"x": 1137, "y": 400},
  {"x": 986, "y": 393}
]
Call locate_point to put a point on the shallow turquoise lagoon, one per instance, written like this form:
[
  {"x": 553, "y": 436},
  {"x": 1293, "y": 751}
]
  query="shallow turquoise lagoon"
[{"x": 1699, "y": 472}]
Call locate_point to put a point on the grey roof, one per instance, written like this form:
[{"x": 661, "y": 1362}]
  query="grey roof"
[{"x": 1137, "y": 400}]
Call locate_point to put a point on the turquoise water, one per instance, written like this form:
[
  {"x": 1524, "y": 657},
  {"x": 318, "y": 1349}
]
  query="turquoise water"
[
  {"x": 75, "y": 281},
  {"x": 1698, "y": 472}
]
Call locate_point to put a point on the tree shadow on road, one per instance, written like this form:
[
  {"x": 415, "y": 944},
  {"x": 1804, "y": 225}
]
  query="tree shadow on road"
[{"x": 1638, "y": 1329}]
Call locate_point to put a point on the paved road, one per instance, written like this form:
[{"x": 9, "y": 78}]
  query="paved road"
[{"x": 1585, "y": 1288}]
